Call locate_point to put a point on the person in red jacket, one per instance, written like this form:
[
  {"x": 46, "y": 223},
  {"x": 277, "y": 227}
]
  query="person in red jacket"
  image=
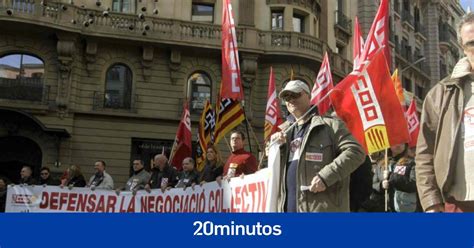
[{"x": 240, "y": 161}]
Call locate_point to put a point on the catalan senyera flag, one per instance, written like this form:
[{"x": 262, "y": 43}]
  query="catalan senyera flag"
[
  {"x": 272, "y": 113},
  {"x": 322, "y": 85},
  {"x": 231, "y": 83},
  {"x": 182, "y": 143},
  {"x": 358, "y": 43},
  {"x": 205, "y": 134},
  {"x": 229, "y": 114},
  {"x": 413, "y": 123},
  {"x": 378, "y": 36},
  {"x": 398, "y": 88},
  {"x": 367, "y": 103}
]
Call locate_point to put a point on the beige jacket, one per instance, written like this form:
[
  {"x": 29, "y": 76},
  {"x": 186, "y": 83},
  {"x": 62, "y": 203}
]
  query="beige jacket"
[{"x": 439, "y": 132}]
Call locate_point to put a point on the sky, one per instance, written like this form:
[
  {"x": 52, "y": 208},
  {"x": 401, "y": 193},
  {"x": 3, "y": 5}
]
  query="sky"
[{"x": 466, "y": 3}]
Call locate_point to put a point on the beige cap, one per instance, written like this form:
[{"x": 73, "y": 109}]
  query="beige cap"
[{"x": 294, "y": 86}]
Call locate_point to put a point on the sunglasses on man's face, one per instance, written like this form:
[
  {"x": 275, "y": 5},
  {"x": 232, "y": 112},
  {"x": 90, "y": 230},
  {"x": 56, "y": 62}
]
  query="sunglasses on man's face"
[{"x": 290, "y": 96}]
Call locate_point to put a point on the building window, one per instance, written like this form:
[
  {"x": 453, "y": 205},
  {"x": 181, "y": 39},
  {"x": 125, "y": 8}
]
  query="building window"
[
  {"x": 146, "y": 149},
  {"x": 406, "y": 84},
  {"x": 200, "y": 86},
  {"x": 277, "y": 20},
  {"x": 202, "y": 12},
  {"x": 118, "y": 87},
  {"x": 123, "y": 6},
  {"x": 21, "y": 77},
  {"x": 298, "y": 23}
]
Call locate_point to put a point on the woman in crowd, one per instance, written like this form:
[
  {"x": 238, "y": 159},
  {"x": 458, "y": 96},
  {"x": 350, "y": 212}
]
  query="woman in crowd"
[
  {"x": 74, "y": 177},
  {"x": 213, "y": 167}
]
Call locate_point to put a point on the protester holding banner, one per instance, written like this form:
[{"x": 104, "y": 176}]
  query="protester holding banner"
[
  {"x": 75, "y": 177},
  {"x": 139, "y": 178},
  {"x": 101, "y": 179},
  {"x": 163, "y": 175},
  {"x": 46, "y": 178},
  {"x": 319, "y": 153},
  {"x": 213, "y": 167},
  {"x": 240, "y": 161},
  {"x": 189, "y": 176},
  {"x": 445, "y": 148},
  {"x": 26, "y": 176}
]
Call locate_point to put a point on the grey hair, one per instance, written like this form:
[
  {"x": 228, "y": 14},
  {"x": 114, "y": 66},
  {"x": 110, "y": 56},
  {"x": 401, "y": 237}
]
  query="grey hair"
[{"x": 467, "y": 18}]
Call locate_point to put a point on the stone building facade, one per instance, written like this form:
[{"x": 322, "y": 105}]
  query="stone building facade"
[
  {"x": 110, "y": 76},
  {"x": 423, "y": 39}
]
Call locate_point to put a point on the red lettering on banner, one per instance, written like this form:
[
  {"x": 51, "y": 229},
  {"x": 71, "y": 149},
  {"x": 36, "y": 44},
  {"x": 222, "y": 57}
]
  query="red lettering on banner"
[
  {"x": 245, "y": 207},
  {"x": 90, "y": 203},
  {"x": 168, "y": 204},
  {"x": 131, "y": 205},
  {"x": 54, "y": 201},
  {"x": 212, "y": 207},
  {"x": 71, "y": 203},
  {"x": 81, "y": 202},
  {"x": 101, "y": 205},
  {"x": 252, "y": 190},
  {"x": 62, "y": 200},
  {"x": 44, "y": 200},
  {"x": 263, "y": 196},
  {"x": 111, "y": 201},
  {"x": 175, "y": 204}
]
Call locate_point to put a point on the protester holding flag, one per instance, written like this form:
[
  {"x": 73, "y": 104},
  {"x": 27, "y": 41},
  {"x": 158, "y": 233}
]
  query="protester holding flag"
[
  {"x": 182, "y": 147},
  {"x": 445, "y": 148},
  {"x": 314, "y": 174},
  {"x": 401, "y": 181},
  {"x": 213, "y": 167}
]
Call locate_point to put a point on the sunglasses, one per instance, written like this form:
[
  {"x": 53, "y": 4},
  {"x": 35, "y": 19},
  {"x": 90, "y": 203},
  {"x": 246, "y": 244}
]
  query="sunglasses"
[{"x": 290, "y": 96}]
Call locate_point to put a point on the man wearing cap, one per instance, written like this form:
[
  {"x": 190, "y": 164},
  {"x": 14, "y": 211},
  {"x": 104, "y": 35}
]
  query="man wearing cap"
[{"x": 318, "y": 152}]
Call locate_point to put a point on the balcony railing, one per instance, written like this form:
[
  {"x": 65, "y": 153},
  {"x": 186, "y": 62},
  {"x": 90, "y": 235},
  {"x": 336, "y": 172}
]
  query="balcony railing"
[
  {"x": 24, "y": 89},
  {"x": 343, "y": 21},
  {"x": 407, "y": 17},
  {"x": 104, "y": 101},
  {"x": 93, "y": 22}
]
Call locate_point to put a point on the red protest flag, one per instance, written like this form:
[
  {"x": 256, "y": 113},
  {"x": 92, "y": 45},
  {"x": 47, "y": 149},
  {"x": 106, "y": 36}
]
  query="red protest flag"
[
  {"x": 322, "y": 85},
  {"x": 367, "y": 103},
  {"x": 413, "y": 123},
  {"x": 378, "y": 36},
  {"x": 272, "y": 113},
  {"x": 182, "y": 143},
  {"x": 231, "y": 83},
  {"x": 358, "y": 43}
]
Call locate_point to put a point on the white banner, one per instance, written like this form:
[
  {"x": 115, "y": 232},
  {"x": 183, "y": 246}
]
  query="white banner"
[{"x": 250, "y": 194}]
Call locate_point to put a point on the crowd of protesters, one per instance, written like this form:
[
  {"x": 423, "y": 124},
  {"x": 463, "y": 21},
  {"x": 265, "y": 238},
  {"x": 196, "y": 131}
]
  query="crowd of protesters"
[{"x": 367, "y": 193}]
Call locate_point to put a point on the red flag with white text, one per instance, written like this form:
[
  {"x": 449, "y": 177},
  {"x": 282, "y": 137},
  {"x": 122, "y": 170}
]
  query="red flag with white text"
[
  {"x": 367, "y": 103},
  {"x": 378, "y": 36},
  {"x": 231, "y": 83},
  {"x": 413, "y": 123},
  {"x": 322, "y": 85},
  {"x": 272, "y": 113},
  {"x": 182, "y": 143}
]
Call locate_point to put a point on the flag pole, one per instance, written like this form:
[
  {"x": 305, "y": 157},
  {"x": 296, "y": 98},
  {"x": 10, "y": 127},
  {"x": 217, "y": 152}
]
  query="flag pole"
[{"x": 385, "y": 177}]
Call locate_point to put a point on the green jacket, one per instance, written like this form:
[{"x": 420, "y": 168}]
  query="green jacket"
[{"x": 341, "y": 155}]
